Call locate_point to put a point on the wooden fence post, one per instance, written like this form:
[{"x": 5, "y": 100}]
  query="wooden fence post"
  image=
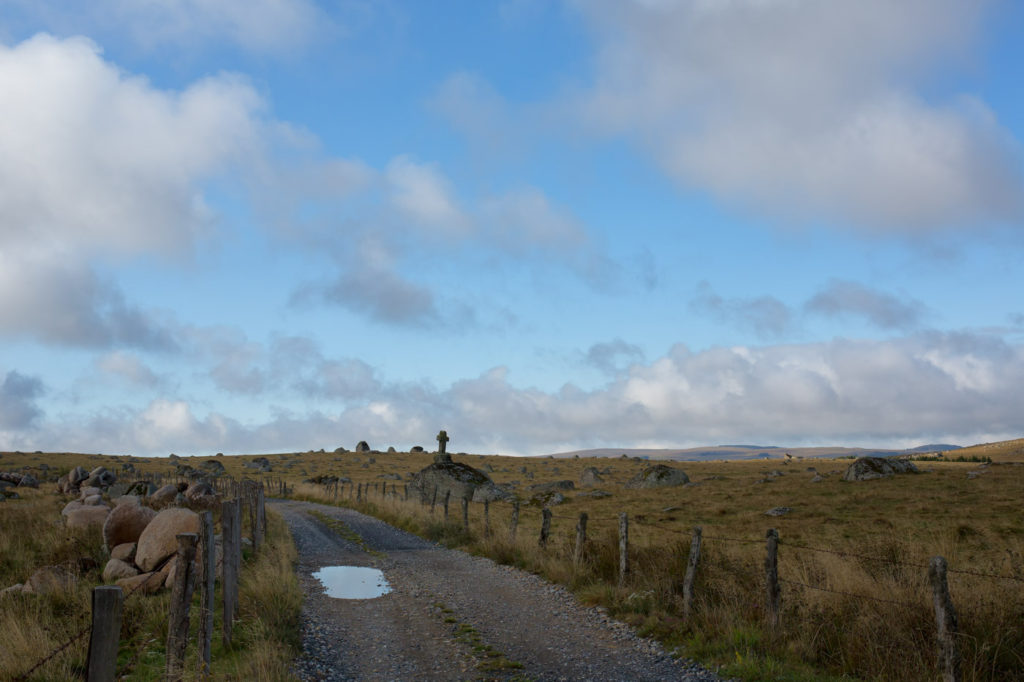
[
  {"x": 260, "y": 517},
  {"x": 207, "y": 574},
  {"x": 691, "y": 573},
  {"x": 771, "y": 577},
  {"x": 513, "y": 523},
  {"x": 581, "y": 539},
  {"x": 107, "y": 601},
  {"x": 406, "y": 498},
  {"x": 487, "y": 518},
  {"x": 465, "y": 515},
  {"x": 447, "y": 496},
  {"x": 545, "y": 527},
  {"x": 945, "y": 621},
  {"x": 181, "y": 600},
  {"x": 433, "y": 500},
  {"x": 229, "y": 524},
  {"x": 623, "y": 547}
]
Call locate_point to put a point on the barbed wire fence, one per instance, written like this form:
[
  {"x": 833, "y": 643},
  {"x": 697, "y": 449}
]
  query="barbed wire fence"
[{"x": 937, "y": 570}]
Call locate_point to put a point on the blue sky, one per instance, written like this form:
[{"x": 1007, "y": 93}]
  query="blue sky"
[{"x": 264, "y": 225}]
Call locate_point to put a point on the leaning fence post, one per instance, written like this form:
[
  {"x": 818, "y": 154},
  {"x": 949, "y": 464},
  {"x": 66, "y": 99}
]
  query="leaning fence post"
[
  {"x": 465, "y": 515},
  {"x": 513, "y": 523},
  {"x": 433, "y": 500},
  {"x": 771, "y": 576},
  {"x": 229, "y": 522},
  {"x": 107, "y": 601},
  {"x": 581, "y": 539},
  {"x": 691, "y": 573},
  {"x": 945, "y": 621},
  {"x": 623, "y": 547},
  {"x": 447, "y": 496},
  {"x": 545, "y": 527},
  {"x": 487, "y": 518},
  {"x": 207, "y": 573},
  {"x": 181, "y": 599},
  {"x": 261, "y": 518}
]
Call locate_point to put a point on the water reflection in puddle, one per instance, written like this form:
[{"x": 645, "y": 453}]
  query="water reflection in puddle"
[{"x": 352, "y": 582}]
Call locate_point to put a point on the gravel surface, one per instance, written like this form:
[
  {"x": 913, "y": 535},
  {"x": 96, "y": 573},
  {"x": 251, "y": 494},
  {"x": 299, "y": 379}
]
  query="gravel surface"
[{"x": 451, "y": 616}]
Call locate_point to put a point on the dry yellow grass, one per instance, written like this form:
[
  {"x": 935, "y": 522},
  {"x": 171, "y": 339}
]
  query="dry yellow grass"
[{"x": 974, "y": 522}]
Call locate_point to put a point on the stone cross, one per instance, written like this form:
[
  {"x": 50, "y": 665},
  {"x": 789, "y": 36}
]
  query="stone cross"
[{"x": 442, "y": 440}]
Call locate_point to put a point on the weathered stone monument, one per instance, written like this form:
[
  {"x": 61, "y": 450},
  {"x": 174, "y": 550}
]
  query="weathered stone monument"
[{"x": 446, "y": 476}]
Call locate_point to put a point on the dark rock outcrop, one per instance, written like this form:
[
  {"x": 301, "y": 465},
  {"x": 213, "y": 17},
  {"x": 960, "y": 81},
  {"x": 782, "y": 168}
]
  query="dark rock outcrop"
[
  {"x": 869, "y": 468},
  {"x": 658, "y": 476}
]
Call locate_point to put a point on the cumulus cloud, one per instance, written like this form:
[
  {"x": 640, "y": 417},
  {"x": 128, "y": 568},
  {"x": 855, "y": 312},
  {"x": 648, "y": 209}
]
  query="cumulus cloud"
[
  {"x": 927, "y": 387},
  {"x": 129, "y": 368},
  {"x": 845, "y": 298},
  {"x": 779, "y": 106},
  {"x": 609, "y": 356},
  {"x": 766, "y": 316},
  {"x": 18, "y": 394},
  {"x": 59, "y": 300}
]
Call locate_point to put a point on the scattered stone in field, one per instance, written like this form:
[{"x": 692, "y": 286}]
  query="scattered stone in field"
[
  {"x": 16, "y": 588},
  {"x": 158, "y": 541},
  {"x": 50, "y": 579},
  {"x": 390, "y": 477},
  {"x": 658, "y": 476},
  {"x": 144, "y": 583},
  {"x": 667, "y": 510},
  {"x": 489, "y": 492},
  {"x": 811, "y": 469},
  {"x": 87, "y": 516},
  {"x": 117, "y": 569},
  {"x": 141, "y": 488},
  {"x": 548, "y": 498},
  {"x": 100, "y": 477},
  {"x": 774, "y": 474},
  {"x": 201, "y": 495},
  {"x": 523, "y": 469},
  {"x": 28, "y": 481},
  {"x": 362, "y": 446},
  {"x": 391, "y": 450},
  {"x": 818, "y": 478},
  {"x": 416, "y": 449},
  {"x": 868, "y": 468},
  {"x": 597, "y": 494},
  {"x": 974, "y": 474},
  {"x": 590, "y": 477},
  {"x": 213, "y": 467},
  {"x": 764, "y": 480},
  {"x": 552, "y": 486},
  {"x": 124, "y": 551},
  {"x": 125, "y": 524},
  {"x": 778, "y": 511},
  {"x": 164, "y": 496}
]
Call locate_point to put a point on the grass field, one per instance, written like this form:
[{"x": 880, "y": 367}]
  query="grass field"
[{"x": 873, "y": 619}]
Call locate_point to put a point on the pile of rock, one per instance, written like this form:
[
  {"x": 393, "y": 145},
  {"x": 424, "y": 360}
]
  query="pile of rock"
[
  {"x": 9, "y": 480},
  {"x": 78, "y": 478}
]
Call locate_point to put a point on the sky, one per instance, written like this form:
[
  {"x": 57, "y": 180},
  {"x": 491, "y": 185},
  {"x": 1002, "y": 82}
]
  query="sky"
[{"x": 543, "y": 225}]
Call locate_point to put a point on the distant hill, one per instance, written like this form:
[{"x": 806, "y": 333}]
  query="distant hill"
[{"x": 745, "y": 452}]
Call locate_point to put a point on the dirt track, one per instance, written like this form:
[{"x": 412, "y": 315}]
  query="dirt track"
[{"x": 451, "y": 616}]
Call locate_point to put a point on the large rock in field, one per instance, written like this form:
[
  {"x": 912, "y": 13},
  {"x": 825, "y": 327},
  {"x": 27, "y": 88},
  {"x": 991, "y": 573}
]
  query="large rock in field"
[
  {"x": 362, "y": 446},
  {"x": 868, "y": 468},
  {"x": 201, "y": 495},
  {"x": 141, "y": 488},
  {"x": 158, "y": 540},
  {"x": 489, "y": 492},
  {"x": 100, "y": 477},
  {"x": 50, "y": 579},
  {"x": 126, "y": 523},
  {"x": 590, "y": 477},
  {"x": 87, "y": 516},
  {"x": 164, "y": 496},
  {"x": 658, "y": 476},
  {"x": 446, "y": 475},
  {"x": 117, "y": 569},
  {"x": 76, "y": 476},
  {"x": 144, "y": 583}
]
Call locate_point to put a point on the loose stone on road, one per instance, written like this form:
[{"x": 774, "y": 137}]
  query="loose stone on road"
[{"x": 451, "y": 616}]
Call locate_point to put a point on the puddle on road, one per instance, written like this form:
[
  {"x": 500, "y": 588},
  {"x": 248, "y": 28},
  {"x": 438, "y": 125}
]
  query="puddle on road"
[{"x": 352, "y": 582}]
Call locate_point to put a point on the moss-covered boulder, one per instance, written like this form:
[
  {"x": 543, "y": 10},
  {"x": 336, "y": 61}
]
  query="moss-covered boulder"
[{"x": 658, "y": 476}]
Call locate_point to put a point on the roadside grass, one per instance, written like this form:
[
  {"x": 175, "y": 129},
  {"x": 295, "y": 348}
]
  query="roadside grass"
[
  {"x": 975, "y": 523},
  {"x": 880, "y": 536},
  {"x": 32, "y": 535}
]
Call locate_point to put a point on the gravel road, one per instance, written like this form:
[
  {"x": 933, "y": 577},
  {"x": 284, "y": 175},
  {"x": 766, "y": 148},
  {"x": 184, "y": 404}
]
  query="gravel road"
[{"x": 451, "y": 616}]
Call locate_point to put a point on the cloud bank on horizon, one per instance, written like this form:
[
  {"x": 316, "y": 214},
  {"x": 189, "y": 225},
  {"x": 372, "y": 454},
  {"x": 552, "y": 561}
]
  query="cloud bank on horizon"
[{"x": 261, "y": 226}]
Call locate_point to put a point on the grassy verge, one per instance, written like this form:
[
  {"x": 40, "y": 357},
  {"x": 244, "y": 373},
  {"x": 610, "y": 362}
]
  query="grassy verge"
[
  {"x": 32, "y": 535},
  {"x": 835, "y": 633}
]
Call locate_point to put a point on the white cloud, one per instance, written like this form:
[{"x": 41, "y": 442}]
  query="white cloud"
[
  {"x": 96, "y": 159},
  {"x": 422, "y": 194},
  {"x": 928, "y": 388},
  {"x": 843, "y": 298},
  {"x": 806, "y": 109},
  {"x": 128, "y": 367}
]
